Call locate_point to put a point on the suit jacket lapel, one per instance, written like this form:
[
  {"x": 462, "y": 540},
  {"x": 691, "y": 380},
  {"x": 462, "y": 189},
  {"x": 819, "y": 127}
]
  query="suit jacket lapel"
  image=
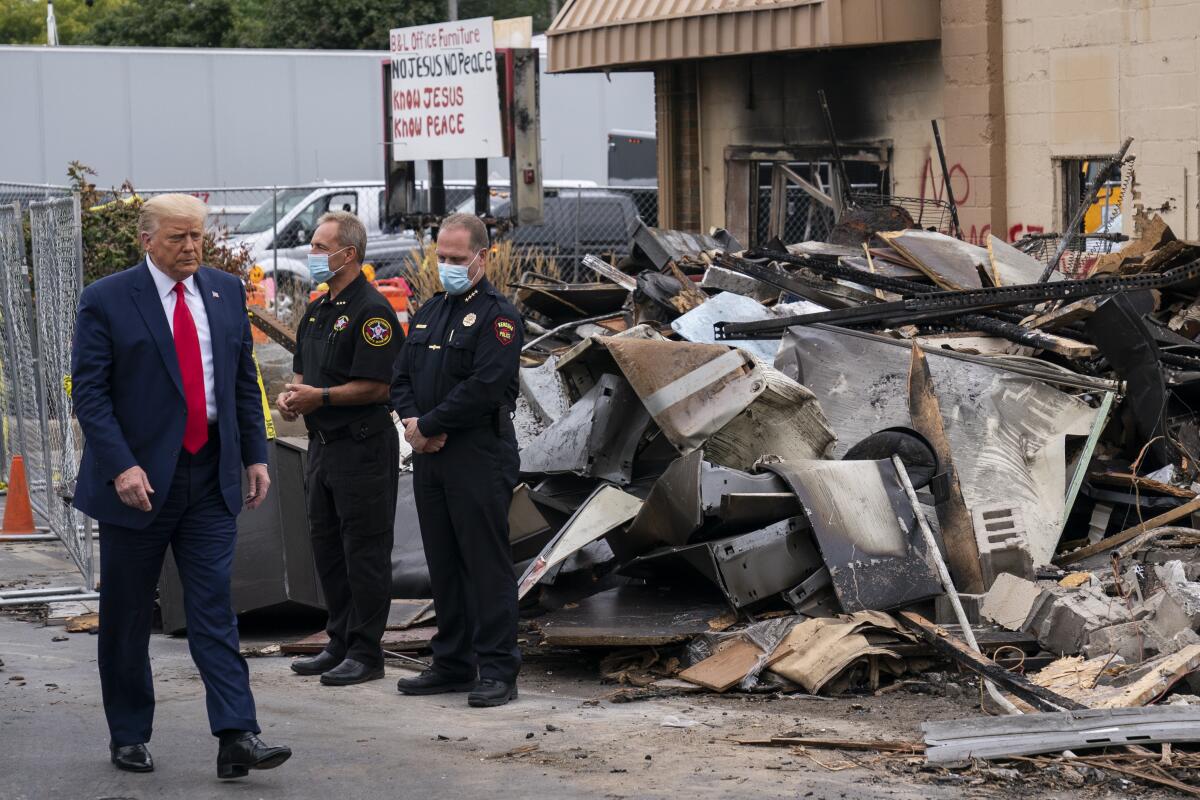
[
  {"x": 214, "y": 309},
  {"x": 149, "y": 305}
]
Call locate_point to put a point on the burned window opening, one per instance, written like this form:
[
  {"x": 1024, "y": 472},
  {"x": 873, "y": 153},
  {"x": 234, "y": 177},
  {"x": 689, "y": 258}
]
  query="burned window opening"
[{"x": 1103, "y": 213}]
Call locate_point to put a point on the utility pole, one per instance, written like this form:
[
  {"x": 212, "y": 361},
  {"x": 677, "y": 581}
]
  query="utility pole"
[
  {"x": 452, "y": 9},
  {"x": 51, "y": 25}
]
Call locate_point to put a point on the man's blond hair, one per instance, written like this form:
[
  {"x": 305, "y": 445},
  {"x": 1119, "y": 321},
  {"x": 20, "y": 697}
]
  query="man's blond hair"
[{"x": 170, "y": 206}]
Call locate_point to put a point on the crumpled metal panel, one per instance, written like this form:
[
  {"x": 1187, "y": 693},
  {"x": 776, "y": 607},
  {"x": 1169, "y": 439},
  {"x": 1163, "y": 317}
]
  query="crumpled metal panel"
[
  {"x": 545, "y": 390},
  {"x": 726, "y": 280},
  {"x": 693, "y": 494},
  {"x": 671, "y": 513},
  {"x": 662, "y": 245},
  {"x": 784, "y": 421},
  {"x": 691, "y": 390},
  {"x": 597, "y": 437},
  {"x": 583, "y": 364},
  {"x": 605, "y": 509},
  {"x": 867, "y": 531},
  {"x": 697, "y": 324},
  {"x": 746, "y": 568},
  {"x": 735, "y": 406},
  {"x": 1005, "y": 429}
]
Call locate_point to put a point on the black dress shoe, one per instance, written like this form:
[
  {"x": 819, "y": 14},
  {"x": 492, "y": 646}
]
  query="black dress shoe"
[
  {"x": 315, "y": 665},
  {"x": 491, "y": 692},
  {"x": 241, "y": 753},
  {"x": 132, "y": 757},
  {"x": 350, "y": 672},
  {"x": 433, "y": 682}
]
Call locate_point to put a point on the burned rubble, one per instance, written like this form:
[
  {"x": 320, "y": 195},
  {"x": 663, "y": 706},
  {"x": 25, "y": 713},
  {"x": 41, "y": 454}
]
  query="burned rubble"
[{"x": 715, "y": 444}]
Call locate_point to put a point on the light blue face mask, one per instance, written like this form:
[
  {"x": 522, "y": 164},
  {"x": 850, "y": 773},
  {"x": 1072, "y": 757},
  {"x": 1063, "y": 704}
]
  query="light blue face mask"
[
  {"x": 318, "y": 266},
  {"x": 456, "y": 278}
]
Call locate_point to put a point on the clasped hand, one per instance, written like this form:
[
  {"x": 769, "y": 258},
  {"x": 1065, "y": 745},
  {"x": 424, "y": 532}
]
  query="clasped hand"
[{"x": 420, "y": 442}]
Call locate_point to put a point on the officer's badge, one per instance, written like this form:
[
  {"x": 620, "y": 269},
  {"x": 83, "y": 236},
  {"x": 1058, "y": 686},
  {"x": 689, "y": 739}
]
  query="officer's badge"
[
  {"x": 506, "y": 330},
  {"x": 341, "y": 323},
  {"x": 469, "y": 320},
  {"x": 377, "y": 331}
]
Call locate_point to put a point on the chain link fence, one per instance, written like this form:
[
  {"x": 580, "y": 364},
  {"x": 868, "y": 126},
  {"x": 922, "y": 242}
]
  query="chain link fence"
[
  {"x": 14, "y": 278},
  {"x": 56, "y": 237},
  {"x": 38, "y": 322},
  {"x": 274, "y": 225}
]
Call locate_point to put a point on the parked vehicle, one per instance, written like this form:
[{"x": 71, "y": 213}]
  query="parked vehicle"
[
  {"x": 577, "y": 222},
  {"x": 278, "y": 233}
]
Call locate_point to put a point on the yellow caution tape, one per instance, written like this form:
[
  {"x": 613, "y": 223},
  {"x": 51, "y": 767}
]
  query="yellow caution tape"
[{"x": 262, "y": 391}]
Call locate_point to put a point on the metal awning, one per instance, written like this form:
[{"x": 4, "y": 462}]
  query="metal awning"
[{"x": 595, "y": 34}]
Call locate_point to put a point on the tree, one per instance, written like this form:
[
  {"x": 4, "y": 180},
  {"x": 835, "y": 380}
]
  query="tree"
[
  {"x": 506, "y": 9},
  {"x": 24, "y": 21},
  {"x": 344, "y": 25},
  {"x": 165, "y": 23}
]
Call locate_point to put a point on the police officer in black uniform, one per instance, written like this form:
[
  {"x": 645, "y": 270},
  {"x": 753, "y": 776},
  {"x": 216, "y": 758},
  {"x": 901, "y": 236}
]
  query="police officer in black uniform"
[
  {"x": 346, "y": 345},
  {"x": 455, "y": 388}
]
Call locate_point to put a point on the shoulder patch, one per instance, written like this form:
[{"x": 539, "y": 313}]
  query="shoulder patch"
[
  {"x": 506, "y": 330},
  {"x": 377, "y": 331}
]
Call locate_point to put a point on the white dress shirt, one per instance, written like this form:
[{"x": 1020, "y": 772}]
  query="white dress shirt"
[{"x": 166, "y": 292}]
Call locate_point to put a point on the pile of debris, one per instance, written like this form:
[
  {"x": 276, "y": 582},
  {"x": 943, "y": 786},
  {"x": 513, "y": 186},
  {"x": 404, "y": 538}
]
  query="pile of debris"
[{"x": 754, "y": 454}]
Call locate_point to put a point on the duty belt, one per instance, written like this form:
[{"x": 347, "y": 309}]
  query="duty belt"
[{"x": 362, "y": 429}]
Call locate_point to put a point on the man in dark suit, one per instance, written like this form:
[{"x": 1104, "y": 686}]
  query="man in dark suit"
[{"x": 165, "y": 390}]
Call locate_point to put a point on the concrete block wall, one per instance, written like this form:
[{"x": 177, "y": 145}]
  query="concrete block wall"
[
  {"x": 1080, "y": 76},
  {"x": 973, "y": 130}
]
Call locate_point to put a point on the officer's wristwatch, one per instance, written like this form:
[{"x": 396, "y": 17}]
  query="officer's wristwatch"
[{"x": 325, "y": 397}]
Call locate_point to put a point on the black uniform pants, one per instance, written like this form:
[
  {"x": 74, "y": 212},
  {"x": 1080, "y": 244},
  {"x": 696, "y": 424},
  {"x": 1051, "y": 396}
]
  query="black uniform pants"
[
  {"x": 463, "y": 493},
  {"x": 351, "y": 513}
]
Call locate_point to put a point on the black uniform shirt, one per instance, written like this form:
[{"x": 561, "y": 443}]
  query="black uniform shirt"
[
  {"x": 459, "y": 364},
  {"x": 353, "y": 336}
]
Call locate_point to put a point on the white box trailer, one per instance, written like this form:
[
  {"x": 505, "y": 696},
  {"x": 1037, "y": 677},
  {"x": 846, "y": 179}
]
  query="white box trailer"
[{"x": 193, "y": 117}]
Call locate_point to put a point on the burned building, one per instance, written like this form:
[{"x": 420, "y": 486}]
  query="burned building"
[{"x": 1028, "y": 95}]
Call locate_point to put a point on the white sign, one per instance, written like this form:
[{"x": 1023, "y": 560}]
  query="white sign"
[{"x": 445, "y": 100}]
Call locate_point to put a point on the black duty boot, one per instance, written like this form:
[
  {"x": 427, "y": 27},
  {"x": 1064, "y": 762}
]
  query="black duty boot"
[
  {"x": 131, "y": 757},
  {"x": 491, "y": 692},
  {"x": 242, "y": 751},
  {"x": 433, "y": 682},
  {"x": 315, "y": 665},
  {"x": 350, "y": 672}
]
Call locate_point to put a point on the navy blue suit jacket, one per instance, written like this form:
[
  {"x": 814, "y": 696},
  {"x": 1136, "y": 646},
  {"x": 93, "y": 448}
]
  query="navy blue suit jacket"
[{"x": 128, "y": 394}]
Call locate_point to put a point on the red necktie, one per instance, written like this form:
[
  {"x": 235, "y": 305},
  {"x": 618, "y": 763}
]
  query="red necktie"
[{"x": 191, "y": 369}]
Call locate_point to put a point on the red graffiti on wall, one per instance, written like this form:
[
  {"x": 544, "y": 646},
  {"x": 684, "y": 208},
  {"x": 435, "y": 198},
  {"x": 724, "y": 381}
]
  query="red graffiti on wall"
[
  {"x": 978, "y": 236},
  {"x": 934, "y": 187},
  {"x": 1015, "y": 231}
]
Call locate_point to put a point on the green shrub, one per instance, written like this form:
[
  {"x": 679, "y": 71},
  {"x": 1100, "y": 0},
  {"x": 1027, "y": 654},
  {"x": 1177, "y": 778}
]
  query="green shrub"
[{"x": 110, "y": 236}]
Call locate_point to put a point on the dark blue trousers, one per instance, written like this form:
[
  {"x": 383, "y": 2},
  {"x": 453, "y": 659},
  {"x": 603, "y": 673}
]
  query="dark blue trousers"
[
  {"x": 462, "y": 494},
  {"x": 197, "y": 525}
]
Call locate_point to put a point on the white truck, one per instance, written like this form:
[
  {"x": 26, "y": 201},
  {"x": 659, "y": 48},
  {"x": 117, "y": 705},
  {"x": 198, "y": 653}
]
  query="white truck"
[{"x": 278, "y": 232}]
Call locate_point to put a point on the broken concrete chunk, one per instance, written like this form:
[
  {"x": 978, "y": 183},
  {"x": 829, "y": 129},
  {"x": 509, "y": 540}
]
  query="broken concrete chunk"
[
  {"x": 1002, "y": 540},
  {"x": 1129, "y": 640},
  {"x": 1176, "y": 608},
  {"x": 1010, "y": 601},
  {"x": 1074, "y": 615}
]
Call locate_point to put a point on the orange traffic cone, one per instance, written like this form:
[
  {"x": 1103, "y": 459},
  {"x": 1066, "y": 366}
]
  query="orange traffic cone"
[{"x": 18, "y": 514}]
